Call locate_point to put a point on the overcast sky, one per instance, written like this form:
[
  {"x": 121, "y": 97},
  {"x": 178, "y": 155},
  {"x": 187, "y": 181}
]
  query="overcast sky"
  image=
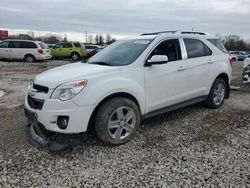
[{"x": 126, "y": 17}]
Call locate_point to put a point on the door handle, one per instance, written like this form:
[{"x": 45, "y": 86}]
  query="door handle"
[
  {"x": 210, "y": 62},
  {"x": 182, "y": 68}
]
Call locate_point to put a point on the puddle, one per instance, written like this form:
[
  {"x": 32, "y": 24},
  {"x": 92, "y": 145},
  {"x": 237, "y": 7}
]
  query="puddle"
[{"x": 1, "y": 93}]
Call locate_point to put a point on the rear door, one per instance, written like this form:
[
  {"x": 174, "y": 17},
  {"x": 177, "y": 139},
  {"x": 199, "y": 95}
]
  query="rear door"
[
  {"x": 199, "y": 60},
  {"x": 4, "y": 50},
  {"x": 67, "y": 49}
]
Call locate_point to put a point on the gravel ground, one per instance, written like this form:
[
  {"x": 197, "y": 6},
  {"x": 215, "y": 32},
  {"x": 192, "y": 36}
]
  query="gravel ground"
[{"x": 191, "y": 147}]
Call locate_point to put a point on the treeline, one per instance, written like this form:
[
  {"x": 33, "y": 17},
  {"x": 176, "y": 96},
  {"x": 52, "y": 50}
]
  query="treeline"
[
  {"x": 235, "y": 43},
  {"x": 98, "y": 39}
]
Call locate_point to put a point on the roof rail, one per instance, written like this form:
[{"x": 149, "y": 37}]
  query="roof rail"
[
  {"x": 175, "y": 32},
  {"x": 160, "y": 32}
]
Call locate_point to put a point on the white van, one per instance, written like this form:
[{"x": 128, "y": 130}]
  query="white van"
[{"x": 27, "y": 50}]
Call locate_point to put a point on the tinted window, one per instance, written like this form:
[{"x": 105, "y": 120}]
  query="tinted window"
[
  {"x": 58, "y": 46},
  {"x": 14, "y": 44},
  {"x": 67, "y": 45},
  {"x": 170, "y": 48},
  {"x": 218, "y": 44},
  {"x": 25, "y": 44},
  {"x": 196, "y": 48},
  {"x": 4, "y": 44},
  {"x": 77, "y": 45}
]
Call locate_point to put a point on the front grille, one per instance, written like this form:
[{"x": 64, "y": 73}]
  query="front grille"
[
  {"x": 40, "y": 89},
  {"x": 36, "y": 104}
]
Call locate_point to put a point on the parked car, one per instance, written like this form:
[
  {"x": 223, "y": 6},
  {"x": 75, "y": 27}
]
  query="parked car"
[
  {"x": 75, "y": 50},
  {"x": 240, "y": 55},
  {"x": 91, "y": 47},
  {"x": 95, "y": 51},
  {"x": 246, "y": 70},
  {"x": 50, "y": 45},
  {"x": 27, "y": 50},
  {"x": 129, "y": 80}
]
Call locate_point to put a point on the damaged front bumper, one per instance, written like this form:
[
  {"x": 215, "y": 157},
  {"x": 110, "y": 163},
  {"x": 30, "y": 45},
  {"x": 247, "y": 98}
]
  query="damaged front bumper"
[{"x": 46, "y": 139}]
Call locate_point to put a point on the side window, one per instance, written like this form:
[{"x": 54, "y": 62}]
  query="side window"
[
  {"x": 14, "y": 44},
  {"x": 58, "y": 46},
  {"x": 67, "y": 45},
  {"x": 77, "y": 45},
  {"x": 25, "y": 44},
  {"x": 196, "y": 48},
  {"x": 170, "y": 48},
  {"x": 4, "y": 44}
]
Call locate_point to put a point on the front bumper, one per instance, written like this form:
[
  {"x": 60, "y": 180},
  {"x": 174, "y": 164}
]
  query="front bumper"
[{"x": 79, "y": 116}]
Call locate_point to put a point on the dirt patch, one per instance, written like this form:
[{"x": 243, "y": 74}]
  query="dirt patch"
[{"x": 218, "y": 125}]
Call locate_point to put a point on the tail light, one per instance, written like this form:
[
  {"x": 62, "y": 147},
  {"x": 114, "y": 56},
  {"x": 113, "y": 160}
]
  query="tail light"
[
  {"x": 40, "y": 51},
  {"x": 230, "y": 59}
]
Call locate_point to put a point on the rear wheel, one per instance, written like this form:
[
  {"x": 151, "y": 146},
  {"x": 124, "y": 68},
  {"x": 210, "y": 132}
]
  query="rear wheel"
[
  {"x": 217, "y": 94},
  {"x": 30, "y": 58},
  {"x": 75, "y": 56},
  {"x": 117, "y": 121}
]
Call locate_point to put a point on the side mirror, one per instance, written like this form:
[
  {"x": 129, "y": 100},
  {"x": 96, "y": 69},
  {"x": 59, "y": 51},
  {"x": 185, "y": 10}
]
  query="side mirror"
[{"x": 157, "y": 59}]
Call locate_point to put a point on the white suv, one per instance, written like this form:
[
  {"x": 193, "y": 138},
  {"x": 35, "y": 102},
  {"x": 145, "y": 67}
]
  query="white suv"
[
  {"x": 27, "y": 50},
  {"x": 129, "y": 80}
]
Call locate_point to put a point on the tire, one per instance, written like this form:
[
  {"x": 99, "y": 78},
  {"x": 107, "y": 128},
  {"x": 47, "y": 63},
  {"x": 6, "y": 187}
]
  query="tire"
[
  {"x": 117, "y": 121},
  {"x": 30, "y": 58},
  {"x": 217, "y": 94},
  {"x": 75, "y": 56}
]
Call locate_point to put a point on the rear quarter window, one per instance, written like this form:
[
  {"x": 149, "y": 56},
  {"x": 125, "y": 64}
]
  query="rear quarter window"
[
  {"x": 43, "y": 45},
  {"x": 196, "y": 48},
  {"x": 217, "y": 43},
  {"x": 25, "y": 44},
  {"x": 77, "y": 45}
]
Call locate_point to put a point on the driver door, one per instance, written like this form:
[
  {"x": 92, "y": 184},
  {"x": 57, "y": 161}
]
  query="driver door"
[
  {"x": 56, "y": 50},
  {"x": 166, "y": 84}
]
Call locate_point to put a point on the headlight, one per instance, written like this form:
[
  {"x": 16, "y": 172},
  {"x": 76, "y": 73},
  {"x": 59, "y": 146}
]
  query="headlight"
[{"x": 68, "y": 90}]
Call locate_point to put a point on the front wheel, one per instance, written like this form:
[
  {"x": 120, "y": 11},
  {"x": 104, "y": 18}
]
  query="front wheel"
[
  {"x": 117, "y": 121},
  {"x": 217, "y": 94}
]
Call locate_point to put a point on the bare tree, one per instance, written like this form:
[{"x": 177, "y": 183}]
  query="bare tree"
[
  {"x": 101, "y": 39},
  {"x": 90, "y": 39},
  {"x": 97, "y": 39},
  {"x": 108, "y": 38}
]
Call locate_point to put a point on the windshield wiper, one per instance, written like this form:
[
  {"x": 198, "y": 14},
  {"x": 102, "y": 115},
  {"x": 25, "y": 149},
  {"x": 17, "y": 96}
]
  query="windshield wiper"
[{"x": 100, "y": 63}]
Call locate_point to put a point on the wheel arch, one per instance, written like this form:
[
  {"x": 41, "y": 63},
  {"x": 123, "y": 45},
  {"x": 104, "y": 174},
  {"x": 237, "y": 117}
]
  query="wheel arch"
[
  {"x": 114, "y": 95},
  {"x": 29, "y": 54},
  {"x": 225, "y": 77}
]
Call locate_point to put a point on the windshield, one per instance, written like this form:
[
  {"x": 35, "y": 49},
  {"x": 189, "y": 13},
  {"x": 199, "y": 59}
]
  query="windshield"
[{"x": 120, "y": 53}]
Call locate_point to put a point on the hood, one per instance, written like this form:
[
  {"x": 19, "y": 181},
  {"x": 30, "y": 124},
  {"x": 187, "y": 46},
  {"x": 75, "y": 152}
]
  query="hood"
[{"x": 67, "y": 73}]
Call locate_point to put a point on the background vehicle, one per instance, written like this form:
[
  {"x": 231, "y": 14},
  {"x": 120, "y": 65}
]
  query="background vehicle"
[
  {"x": 131, "y": 79},
  {"x": 75, "y": 50},
  {"x": 91, "y": 47},
  {"x": 50, "y": 45},
  {"x": 240, "y": 55},
  {"x": 27, "y": 50},
  {"x": 95, "y": 51}
]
